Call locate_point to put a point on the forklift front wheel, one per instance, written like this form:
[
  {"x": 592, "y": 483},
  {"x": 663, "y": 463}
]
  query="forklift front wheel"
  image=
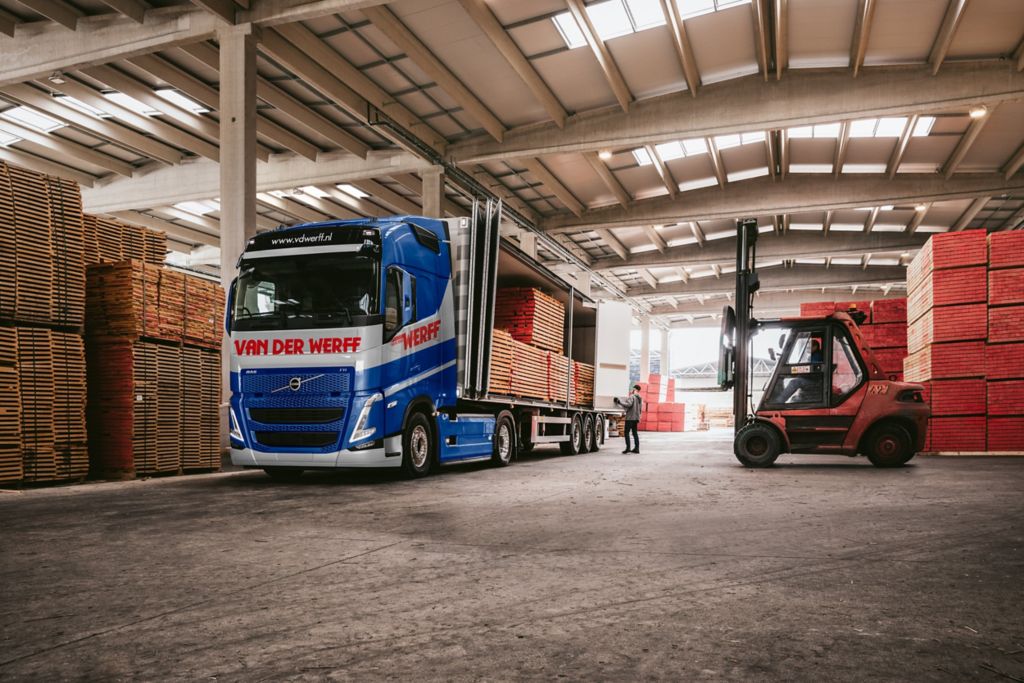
[
  {"x": 757, "y": 445},
  {"x": 888, "y": 445}
]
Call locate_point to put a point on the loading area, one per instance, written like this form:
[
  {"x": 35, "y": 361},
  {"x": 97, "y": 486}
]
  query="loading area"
[{"x": 676, "y": 564}]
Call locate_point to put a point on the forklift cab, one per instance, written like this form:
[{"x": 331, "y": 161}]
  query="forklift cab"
[{"x": 827, "y": 394}]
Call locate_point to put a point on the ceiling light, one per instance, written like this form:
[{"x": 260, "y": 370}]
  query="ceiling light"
[
  {"x": 886, "y": 207},
  {"x": 175, "y": 97},
  {"x": 604, "y": 155},
  {"x": 57, "y": 78},
  {"x": 978, "y": 112},
  {"x": 353, "y": 191},
  {"x": 920, "y": 207}
]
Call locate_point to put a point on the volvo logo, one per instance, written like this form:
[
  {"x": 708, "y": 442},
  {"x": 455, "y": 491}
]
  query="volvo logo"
[{"x": 295, "y": 383}]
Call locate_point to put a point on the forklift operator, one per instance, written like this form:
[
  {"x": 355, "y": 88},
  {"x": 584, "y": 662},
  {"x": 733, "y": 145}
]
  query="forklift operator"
[{"x": 808, "y": 385}]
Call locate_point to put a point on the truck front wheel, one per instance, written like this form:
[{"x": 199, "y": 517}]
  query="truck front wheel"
[{"x": 417, "y": 447}]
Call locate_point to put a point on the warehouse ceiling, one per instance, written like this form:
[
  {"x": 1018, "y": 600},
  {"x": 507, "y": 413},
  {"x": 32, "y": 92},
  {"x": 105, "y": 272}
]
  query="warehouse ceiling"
[{"x": 630, "y": 132}]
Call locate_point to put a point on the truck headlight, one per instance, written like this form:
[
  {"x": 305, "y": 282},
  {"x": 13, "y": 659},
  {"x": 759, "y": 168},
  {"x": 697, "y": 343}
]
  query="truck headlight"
[
  {"x": 235, "y": 431},
  {"x": 361, "y": 431}
]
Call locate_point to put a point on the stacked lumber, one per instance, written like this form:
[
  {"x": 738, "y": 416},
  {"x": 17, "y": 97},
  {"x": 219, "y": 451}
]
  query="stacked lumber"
[
  {"x": 1004, "y": 352},
  {"x": 884, "y": 328},
  {"x": 209, "y": 415},
  {"x": 958, "y": 348},
  {"x": 658, "y": 415},
  {"x": 695, "y": 418},
  {"x": 531, "y": 317},
  {"x": 52, "y": 390},
  {"x": 141, "y": 300},
  {"x": 720, "y": 418},
  {"x": 525, "y": 371},
  {"x": 10, "y": 408},
  {"x": 108, "y": 240}
]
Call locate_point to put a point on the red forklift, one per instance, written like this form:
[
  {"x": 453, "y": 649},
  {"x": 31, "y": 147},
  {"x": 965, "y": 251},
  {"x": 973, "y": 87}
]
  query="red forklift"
[{"x": 826, "y": 394}]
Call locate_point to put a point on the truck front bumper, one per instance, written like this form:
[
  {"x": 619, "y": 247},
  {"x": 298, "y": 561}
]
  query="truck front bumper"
[{"x": 368, "y": 458}]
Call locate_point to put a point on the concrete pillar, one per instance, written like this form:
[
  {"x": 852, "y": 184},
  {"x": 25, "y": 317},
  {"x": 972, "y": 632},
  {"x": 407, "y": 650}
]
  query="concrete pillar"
[
  {"x": 237, "y": 153},
  {"x": 645, "y": 349},
  {"x": 528, "y": 243},
  {"x": 584, "y": 283},
  {"x": 666, "y": 354},
  {"x": 433, "y": 192}
]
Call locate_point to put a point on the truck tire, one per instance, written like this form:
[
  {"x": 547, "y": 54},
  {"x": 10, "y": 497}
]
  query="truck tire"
[
  {"x": 888, "y": 445},
  {"x": 757, "y": 445},
  {"x": 601, "y": 425},
  {"x": 504, "y": 441},
  {"x": 574, "y": 445},
  {"x": 590, "y": 433},
  {"x": 284, "y": 474},
  {"x": 417, "y": 447}
]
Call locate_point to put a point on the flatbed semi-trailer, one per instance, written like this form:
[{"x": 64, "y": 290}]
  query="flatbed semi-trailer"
[{"x": 367, "y": 343}]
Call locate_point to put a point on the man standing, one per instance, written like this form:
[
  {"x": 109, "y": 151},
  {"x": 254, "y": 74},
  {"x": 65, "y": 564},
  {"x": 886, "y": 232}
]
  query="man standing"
[{"x": 633, "y": 404}]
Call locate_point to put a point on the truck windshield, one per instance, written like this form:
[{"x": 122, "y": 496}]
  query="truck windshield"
[{"x": 303, "y": 292}]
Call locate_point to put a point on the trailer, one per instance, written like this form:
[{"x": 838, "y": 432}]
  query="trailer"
[{"x": 368, "y": 343}]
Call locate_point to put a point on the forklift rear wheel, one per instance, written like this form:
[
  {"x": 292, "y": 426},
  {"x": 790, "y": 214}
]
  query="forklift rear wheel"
[
  {"x": 417, "y": 447},
  {"x": 589, "y": 434},
  {"x": 283, "y": 474},
  {"x": 757, "y": 445},
  {"x": 504, "y": 442},
  {"x": 575, "y": 443},
  {"x": 888, "y": 445}
]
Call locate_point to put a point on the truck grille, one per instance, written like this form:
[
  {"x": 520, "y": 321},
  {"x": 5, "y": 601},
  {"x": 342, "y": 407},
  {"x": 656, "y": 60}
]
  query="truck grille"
[
  {"x": 297, "y": 439},
  {"x": 273, "y": 416}
]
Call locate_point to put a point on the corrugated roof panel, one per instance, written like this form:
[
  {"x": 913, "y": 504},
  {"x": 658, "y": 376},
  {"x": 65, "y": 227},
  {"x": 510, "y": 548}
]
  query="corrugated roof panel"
[
  {"x": 989, "y": 28},
  {"x": 820, "y": 32},
  {"x": 893, "y": 42}
]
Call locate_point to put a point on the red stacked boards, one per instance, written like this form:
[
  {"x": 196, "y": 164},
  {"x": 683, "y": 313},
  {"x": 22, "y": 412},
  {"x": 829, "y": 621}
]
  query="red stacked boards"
[
  {"x": 1005, "y": 350},
  {"x": 658, "y": 415},
  {"x": 884, "y": 328},
  {"x": 531, "y": 317},
  {"x": 947, "y": 310}
]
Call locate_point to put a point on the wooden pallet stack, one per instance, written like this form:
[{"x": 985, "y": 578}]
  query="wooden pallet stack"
[
  {"x": 108, "y": 240},
  {"x": 52, "y": 389},
  {"x": 153, "y": 350},
  {"x": 947, "y": 312},
  {"x": 1004, "y": 352},
  {"x": 10, "y": 408},
  {"x": 531, "y": 316}
]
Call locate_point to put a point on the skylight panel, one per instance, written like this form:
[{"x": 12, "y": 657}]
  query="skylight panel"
[
  {"x": 642, "y": 157},
  {"x": 610, "y": 19},
  {"x": 891, "y": 127},
  {"x": 923, "y": 126},
  {"x": 81, "y": 106},
  {"x": 669, "y": 151},
  {"x": 314, "y": 191},
  {"x": 353, "y": 191},
  {"x": 187, "y": 103},
  {"x": 810, "y": 168},
  {"x": 695, "y": 146},
  {"x": 280, "y": 194},
  {"x": 865, "y": 128},
  {"x": 569, "y": 30},
  {"x": 7, "y": 138},
  {"x": 693, "y": 8},
  {"x": 130, "y": 103},
  {"x": 697, "y": 184},
  {"x": 826, "y": 130},
  {"x": 802, "y": 132},
  {"x": 645, "y": 13},
  {"x": 727, "y": 141},
  {"x": 746, "y": 175},
  {"x": 752, "y": 138},
  {"x": 33, "y": 119},
  {"x": 198, "y": 208}
]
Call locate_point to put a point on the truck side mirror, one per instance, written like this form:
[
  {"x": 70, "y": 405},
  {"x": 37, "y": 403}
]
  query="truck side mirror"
[
  {"x": 229, "y": 307},
  {"x": 408, "y": 299},
  {"x": 782, "y": 342},
  {"x": 771, "y": 353}
]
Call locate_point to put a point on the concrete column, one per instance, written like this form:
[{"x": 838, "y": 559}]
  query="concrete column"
[
  {"x": 584, "y": 283},
  {"x": 528, "y": 243},
  {"x": 433, "y": 192},
  {"x": 645, "y": 349},
  {"x": 666, "y": 354},
  {"x": 237, "y": 154}
]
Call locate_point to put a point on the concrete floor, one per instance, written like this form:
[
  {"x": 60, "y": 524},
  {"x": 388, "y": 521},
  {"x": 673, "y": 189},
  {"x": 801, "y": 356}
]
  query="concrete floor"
[{"x": 676, "y": 564}]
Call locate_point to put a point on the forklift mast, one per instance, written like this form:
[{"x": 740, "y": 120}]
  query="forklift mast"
[{"x": 747, "y": 284}]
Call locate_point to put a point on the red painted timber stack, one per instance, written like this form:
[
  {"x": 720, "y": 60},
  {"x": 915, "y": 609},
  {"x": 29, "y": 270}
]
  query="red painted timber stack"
[
  {"x": 1005, "y": 350},
  {"x": 884, "y": 328},
  {"x": 659, "y": 415},
  {"x": 531, "y": 317}
]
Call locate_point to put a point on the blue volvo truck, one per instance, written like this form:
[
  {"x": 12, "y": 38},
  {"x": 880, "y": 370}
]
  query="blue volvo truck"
[{"x": 366, "y": 343}]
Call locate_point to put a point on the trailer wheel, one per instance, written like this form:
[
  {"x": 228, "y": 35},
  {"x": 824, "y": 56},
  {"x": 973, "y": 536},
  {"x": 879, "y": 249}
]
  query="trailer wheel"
[
  {"x": 888, "y": 445},
  {"x": 574, "y": 445},
  {"x": 589, "y": 433},
  {"x": 417, "y": 447},
  {"x": 601, "y": 429},
  {"x": 504, "y": 441},
  {"x": 284, "y": 474},
  {"x": 757, "y": 445}
]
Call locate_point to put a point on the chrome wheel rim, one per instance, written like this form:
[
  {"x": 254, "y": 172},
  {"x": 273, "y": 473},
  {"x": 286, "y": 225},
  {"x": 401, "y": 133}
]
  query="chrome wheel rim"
[
  {"x": 504, "y": 442},
  {"x": 419, "y": 446},
  {"x": 577, "y": 435}
]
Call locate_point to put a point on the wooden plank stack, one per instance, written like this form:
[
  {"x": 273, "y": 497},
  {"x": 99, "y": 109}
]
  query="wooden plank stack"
[
  {"x": 1004, "y": 353},
  {"x": 660, "y": 415},
  {"x": 884, "y": 328},
  {"x": 108, "y": 240},
  {"x": 10, "y": 408},
  {"x": 526, "y": 371},
  {"x": 967, "y": 340},
  {"x": 531, "y": 317}
]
